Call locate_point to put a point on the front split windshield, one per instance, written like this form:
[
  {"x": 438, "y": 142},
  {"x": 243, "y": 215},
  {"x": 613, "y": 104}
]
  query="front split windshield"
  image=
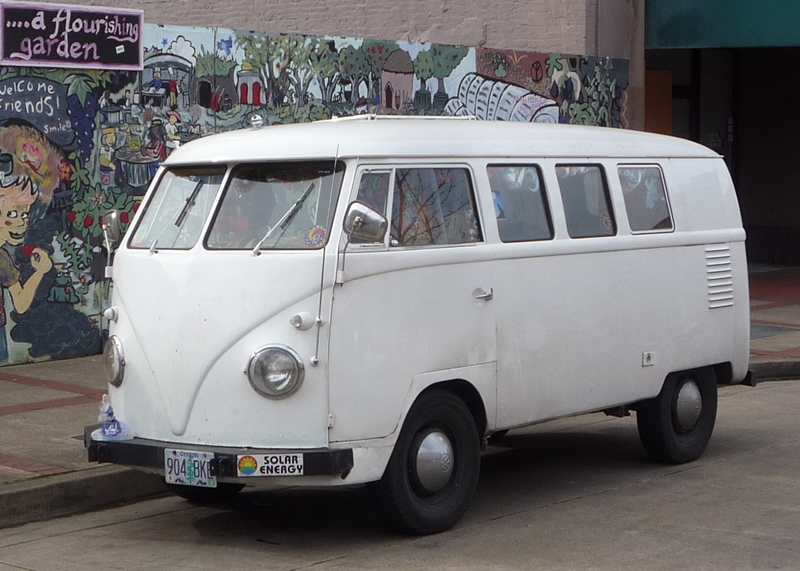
[
  {"x": 286, "y": 205},
  {"x": 276, "y": 205},
  {"x": 177, "y": 212}
]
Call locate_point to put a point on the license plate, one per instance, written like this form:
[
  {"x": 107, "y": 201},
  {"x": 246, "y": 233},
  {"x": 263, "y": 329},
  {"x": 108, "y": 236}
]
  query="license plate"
[
  {"x": 269, "y": 465},
  {"x": 189, "y": 468}
]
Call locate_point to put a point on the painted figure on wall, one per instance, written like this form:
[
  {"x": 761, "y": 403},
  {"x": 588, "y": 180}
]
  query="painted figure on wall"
[
  {"x": 37, "y": 204},
  {"x": 156, "y": 145},
  {"x": 16, "y": 200},
  {"x": 108, "y": 155}
]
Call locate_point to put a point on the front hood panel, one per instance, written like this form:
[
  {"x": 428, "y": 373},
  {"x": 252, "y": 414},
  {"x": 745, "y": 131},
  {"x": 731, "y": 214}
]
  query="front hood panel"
[{"x": 187, "y": 312}]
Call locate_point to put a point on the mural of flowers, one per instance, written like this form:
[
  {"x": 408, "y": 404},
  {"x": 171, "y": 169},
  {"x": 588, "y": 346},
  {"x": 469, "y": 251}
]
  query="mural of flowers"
[{"x": 87, "y": 213}]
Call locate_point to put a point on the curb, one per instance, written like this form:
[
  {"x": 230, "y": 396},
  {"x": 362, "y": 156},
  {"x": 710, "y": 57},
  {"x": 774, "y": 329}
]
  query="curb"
[
  {"x": 66, "y": 494},
  {"x": 776, "y": 370}
]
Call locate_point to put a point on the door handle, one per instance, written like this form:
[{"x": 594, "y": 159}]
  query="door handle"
[{"x": 485, "y": 295}]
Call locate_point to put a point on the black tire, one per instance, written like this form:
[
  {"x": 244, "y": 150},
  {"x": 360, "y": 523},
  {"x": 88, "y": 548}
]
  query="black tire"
[
  {"x": 423, "y": 502},
  {"x": 222, "y": 493},
  {"x": 674, "y": 433}
]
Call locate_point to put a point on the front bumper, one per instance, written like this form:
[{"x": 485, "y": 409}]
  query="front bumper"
[{"x": 145, "y": 453}]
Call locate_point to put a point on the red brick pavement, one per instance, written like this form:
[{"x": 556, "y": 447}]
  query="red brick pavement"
[
  {"x": 84, "y": 395},
  {"x": 87, "y": 394},
  {"x": 30, "y": 466}
]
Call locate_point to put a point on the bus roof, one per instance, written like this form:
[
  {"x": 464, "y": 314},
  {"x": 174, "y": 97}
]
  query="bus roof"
[{"x": 370, "y": 136}]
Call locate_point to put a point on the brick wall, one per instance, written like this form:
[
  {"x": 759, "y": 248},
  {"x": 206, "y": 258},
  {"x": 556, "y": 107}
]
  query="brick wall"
[{"x": 542, "y": 25}]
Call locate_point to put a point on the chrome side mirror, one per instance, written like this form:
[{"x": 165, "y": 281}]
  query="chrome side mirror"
[
  {"x": 363, "y": 222},
  {"x": 111, "y": 228}
]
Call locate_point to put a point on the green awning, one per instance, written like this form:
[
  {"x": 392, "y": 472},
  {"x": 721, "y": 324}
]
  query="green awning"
[{"x": 721, "y": 23}]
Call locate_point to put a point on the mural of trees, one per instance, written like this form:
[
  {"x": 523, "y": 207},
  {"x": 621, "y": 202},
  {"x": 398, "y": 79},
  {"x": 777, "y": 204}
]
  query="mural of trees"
[
  {"x": 445, "y": 60},
  {"x": 423, "y": 69},
  {"x": 76, "y": 143},
  {"x": 354, "y": 68},
  {"x": 325, "y": 63}
]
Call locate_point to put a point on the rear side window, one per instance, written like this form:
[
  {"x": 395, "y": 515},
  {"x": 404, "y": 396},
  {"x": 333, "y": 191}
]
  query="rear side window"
[
  {"x": 645, "y": 198},
  {"x": 520, "y": 203},
  {"x": 433, "y": 206},
  {"x": 587, "y": 206}
]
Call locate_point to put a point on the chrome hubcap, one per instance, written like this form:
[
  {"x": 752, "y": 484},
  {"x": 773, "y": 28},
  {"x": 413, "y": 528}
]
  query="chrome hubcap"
[
  {"x": 688, "y": 405},
  {"x": 434, "y": 461}
]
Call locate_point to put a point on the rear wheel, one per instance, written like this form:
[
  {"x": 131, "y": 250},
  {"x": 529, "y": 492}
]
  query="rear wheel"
[
  {"x": 222, "y": 493},
  {"x": 675, "y": 426},
  {"x": 433, "y": 470}
]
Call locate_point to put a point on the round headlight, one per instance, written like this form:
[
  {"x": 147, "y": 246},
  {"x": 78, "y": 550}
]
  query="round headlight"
[
  {"x": 276, "y": 371},
  {"x": 114, "y": 361}
]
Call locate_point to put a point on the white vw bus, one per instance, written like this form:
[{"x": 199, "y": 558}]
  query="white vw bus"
[{"x": 367, "y": 300}]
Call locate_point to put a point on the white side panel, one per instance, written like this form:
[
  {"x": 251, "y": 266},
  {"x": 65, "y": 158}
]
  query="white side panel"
[
  {"x": 698, "y": 201},
  {"x": 573, "y": 330},
  {"x": 399, "y": 314}
]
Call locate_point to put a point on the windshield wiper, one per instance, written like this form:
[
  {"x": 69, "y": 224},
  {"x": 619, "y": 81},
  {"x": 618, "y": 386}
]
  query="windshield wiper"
[
  {"x": 181, "y": 215},
  {"x": 285, "y": 220},
  {"x": 189, "y": 203}
]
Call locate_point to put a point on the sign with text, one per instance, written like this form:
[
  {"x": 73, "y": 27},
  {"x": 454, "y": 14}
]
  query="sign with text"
[
  {"x": 40, "y": 102},
  {"x": 56, "y": 35}
]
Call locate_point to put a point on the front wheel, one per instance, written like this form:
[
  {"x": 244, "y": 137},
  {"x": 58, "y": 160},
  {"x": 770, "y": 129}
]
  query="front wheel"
[
  {"x": 675, "y": 426},
  {"x": 433, "y": 471}
]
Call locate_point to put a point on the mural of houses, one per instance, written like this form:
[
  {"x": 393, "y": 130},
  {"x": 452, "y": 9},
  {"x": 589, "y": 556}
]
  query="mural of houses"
[
  {"x": 397, "y": 80},
  {"x": 250, "y": 88}
]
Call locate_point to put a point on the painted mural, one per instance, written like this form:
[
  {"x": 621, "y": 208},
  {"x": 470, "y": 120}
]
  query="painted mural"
[{"x": 75, "y": 143}]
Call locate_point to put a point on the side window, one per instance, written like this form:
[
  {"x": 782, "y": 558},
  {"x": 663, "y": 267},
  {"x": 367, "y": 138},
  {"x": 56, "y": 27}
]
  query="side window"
[
  {"x": 645, "y": 198},
  {"x": 373, "y": 190},
  {"x": 433, "y": 206},
  {"x": 520, "y": 203},
  {"x": 587, "y": 206}
]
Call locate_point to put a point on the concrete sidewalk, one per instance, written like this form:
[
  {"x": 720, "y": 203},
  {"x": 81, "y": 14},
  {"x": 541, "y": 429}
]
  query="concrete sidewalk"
[
  {"x": 44, "y": 472},
  {"x": 775, "y": 321},
  {"x": 45, "y": 406}
]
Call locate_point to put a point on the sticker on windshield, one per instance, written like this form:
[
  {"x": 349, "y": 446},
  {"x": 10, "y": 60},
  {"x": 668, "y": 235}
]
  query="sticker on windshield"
[{"x": 315, "y": 236}]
